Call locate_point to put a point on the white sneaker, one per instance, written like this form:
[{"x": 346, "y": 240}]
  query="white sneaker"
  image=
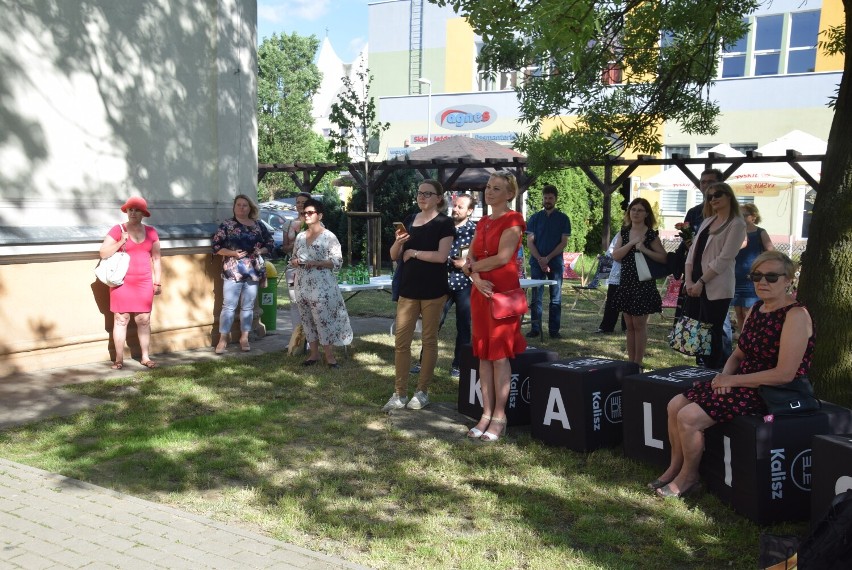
[
  {"x": 396, "y": 402},
  {"x": 418, "y": 401}
]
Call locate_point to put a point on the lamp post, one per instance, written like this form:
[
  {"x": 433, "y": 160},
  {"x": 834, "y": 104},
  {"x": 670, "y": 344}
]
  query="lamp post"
[{"x": 428, "y": 110}]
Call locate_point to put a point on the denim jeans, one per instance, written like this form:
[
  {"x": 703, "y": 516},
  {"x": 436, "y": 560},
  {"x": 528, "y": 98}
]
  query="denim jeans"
[
  {"x": 231, "y": 293},
  {"x": 555, "y": 308},
  {"x": 461, "y": 299}
]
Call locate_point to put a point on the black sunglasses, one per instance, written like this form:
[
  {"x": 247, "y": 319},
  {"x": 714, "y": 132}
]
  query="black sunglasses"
[
  {"x": 716, "y": 194},
  {"x": 756, "y": 276}
]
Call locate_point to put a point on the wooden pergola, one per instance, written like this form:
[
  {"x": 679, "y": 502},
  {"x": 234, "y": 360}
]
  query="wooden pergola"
[{"x": 615, "y": 171}]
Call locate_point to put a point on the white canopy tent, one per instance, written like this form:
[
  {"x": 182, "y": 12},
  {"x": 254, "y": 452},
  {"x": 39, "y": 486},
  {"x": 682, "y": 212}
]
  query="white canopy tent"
[
  {"x": 798, "y": 141},
  {"x": 675, "y": 178},
  {"x": 766, "y": 179},
  {"x": 753, "y": 183},
  {"x": 802, "y": 143}
]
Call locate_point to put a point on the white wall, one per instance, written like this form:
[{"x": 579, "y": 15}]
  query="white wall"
[{"x": 102, "y": 99}]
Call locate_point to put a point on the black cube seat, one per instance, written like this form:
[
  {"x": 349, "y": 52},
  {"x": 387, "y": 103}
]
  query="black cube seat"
[
  {"x": 645, "y": 398},
  {"x": 576, "y": 403},
  {"x": 518, "y": 406},
  {"x": 764, "y": 469}
]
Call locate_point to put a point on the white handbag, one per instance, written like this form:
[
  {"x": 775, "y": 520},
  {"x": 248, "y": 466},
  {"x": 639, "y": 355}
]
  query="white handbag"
[
  {"x": 642, "y": 268},
  {"x": 112, "y": 270}
]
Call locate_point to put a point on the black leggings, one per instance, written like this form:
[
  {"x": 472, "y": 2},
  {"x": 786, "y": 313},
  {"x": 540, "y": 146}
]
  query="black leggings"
[{"x": 713, "y": 312}]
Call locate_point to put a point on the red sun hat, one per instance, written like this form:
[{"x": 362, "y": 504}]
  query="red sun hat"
[{"x": 139, "y": 203}]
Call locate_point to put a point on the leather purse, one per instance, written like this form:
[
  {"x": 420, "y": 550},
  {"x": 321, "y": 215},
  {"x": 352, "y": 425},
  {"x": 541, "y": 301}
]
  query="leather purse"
[
  {"x": 509, "y": 304},
  {"x": 795, "y": 397}
]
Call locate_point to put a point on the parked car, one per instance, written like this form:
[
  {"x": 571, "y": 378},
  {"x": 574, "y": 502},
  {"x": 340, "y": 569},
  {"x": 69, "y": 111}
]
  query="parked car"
[
  {"x": 276, "y": 217},
  {"x": 277, "y": 239},
  {"x": 290, "y": 203}
]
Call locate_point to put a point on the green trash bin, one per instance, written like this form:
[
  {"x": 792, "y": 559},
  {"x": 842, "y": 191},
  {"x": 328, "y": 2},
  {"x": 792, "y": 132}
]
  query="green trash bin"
[{"x": 269, "y": 299}]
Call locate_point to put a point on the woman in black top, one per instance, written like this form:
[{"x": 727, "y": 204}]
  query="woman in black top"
[{"x": 422, "y": 290}]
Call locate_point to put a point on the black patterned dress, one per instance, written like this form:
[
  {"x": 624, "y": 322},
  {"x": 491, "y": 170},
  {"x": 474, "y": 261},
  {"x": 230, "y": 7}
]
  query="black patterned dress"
[
  {"x": 760, "y": 341},
  {"x": 636, "y": 297}
]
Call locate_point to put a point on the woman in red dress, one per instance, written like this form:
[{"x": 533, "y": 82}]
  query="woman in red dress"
[
  {"x": 492, "y": 267},
  {"x": 136, "y": 294}
]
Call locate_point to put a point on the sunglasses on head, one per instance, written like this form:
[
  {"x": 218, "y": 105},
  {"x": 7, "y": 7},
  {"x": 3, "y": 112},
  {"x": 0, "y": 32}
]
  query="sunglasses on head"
[
  {"x": 756, "y": 276},
  {"x": 716, "y": 194}
]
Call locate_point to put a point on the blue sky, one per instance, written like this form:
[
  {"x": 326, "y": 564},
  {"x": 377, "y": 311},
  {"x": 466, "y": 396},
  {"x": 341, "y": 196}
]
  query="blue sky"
[{"x": 346, "y": 21}]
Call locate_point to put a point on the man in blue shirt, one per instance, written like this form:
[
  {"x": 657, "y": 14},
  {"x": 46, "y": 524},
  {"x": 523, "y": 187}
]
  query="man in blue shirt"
[{"x": 547, "y": 236}]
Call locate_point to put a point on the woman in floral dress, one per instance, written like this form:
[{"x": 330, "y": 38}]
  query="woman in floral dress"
[
  {"x": 775, "y": 348},
  {"x": 318, "y": 257}
]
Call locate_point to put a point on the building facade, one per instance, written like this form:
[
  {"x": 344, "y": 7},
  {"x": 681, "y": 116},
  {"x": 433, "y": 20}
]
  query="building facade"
[
  {"x": 772, "y": 82},
  {"x": 102, "y": 100}
]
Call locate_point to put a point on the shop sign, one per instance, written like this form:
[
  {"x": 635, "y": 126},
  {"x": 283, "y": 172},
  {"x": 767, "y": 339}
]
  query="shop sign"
[
  {"x": 424, "y": 139},
  {"x": 466, "y": 117},
  {"x": 496, "y": 137}
]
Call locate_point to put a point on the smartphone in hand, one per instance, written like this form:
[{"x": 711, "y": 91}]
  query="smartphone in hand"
[{"x": 400, "y": 227}]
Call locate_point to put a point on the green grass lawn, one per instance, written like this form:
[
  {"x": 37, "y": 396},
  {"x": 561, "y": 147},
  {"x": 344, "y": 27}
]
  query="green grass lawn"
[{"x": 306, "y": 456}]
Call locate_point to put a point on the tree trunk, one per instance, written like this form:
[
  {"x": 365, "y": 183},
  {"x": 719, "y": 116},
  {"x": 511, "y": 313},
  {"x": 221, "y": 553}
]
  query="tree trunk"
[{"x": 826, "y": 279}]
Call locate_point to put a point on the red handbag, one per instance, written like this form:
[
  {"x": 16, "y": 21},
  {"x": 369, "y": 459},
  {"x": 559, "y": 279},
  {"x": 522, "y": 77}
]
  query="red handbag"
[{"x": 509, "y": 304}]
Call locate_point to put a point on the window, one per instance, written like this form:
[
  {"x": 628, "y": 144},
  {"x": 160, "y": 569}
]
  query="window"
[
  {"x": 671, "y": 150},
  {"x": 767, "y": 44},
  {"x": 697, "y": 197},
  {"x": 734, "y": 59},
  {"x": 777, "y": 43},
  {"x": 612, "y": 74},
  {"x": 804, "y": 31},
  {"x": 673, "y": 201},
  {"x": 744, "y": 147}
]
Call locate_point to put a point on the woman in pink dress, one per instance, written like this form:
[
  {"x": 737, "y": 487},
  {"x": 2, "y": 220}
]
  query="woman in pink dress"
[
  {"x": 142, "y": 282},
  {"x": 492, "y": 266}
]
